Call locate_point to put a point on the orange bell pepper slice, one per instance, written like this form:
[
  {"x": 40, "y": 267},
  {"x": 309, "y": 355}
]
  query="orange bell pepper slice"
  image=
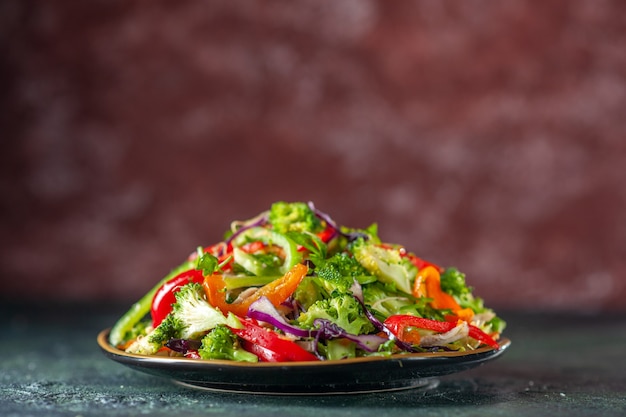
[
  {"x": 276, "y": 291},
  {"x": 428, "y": 284}
]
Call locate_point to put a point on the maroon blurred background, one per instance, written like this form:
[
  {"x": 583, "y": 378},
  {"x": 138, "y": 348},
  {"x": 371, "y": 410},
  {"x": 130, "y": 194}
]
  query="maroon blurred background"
[{"x": 486, "y": 135}]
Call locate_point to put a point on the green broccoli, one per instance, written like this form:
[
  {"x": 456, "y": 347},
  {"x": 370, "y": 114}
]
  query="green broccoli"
[
  {"x": 222, "y": 343},
  {"x": 386, "y": 263},
  {"x": 191, "y": 317},
  {"x": 338, "y": 273},
  {"x": 343, "y": 310},
  {"x": 453, "y": 282},
  {"x": 293, "y": 217},
  {"x": 339, "y": 266},
  {"x": 171, "y": 327},
  {"x": 196, "y": 314}
]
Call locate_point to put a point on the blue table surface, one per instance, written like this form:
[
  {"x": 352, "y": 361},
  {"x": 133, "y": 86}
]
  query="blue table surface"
[{"x": 557, "y": 365}]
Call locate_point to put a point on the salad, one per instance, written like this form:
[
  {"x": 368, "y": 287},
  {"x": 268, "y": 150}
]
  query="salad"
[{"x": 291, "y": 284}]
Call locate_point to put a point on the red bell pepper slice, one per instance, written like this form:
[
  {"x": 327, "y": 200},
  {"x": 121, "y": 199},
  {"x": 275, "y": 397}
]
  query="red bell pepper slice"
[
  {"x": 327, "y": 234},
  {"x": 264, "y": 355},
  {"x": 164, "y": 296},
  {"x": 402, "y": 327},
  {"x": 420, "y": 263},
  {"x": 476, "y": 333},
  {"x": 398, "y": 324},
  {"x": 269, "y": 346}
]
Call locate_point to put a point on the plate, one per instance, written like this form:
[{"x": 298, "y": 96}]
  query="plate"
[{"x": 348, "y": 376}]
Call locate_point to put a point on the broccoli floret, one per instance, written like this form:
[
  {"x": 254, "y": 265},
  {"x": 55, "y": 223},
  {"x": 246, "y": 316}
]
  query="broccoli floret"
[
  {"x": 339, "y": 266},
  {"x": 453, "y": 282},
  {"x": 149, "y": 344},
  {"x": 191, "y": 317},
  {"x": 293, "y": 217},
  {"x": 222, "y": 343},
  {"x": 171, "y": 327},
  {"x": 196, "y": 314},
  {"x": 386, "y": 263},
  {"x": 338, "y": 273},
  {"x": 343, "y": 310}
]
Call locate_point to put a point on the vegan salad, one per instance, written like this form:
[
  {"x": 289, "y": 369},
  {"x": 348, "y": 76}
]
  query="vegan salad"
[{"x": 292, "y": 285}]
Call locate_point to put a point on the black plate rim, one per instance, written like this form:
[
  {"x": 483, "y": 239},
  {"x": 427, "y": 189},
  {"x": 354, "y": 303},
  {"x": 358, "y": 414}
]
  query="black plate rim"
[
  {"x": 338, "y": 377},
  {"x": 114, "y": 352}
]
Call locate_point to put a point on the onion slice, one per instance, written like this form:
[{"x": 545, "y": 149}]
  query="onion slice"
[{"x": 460, "y": 331}]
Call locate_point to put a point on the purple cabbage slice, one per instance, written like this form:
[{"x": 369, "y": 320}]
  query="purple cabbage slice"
[
  {"x": 330, "y": 222},
  {"x": 329, "y": 330},
  {"x": 382, "y": 328},
  {"x": 263, "y": 310},
  {"x": 258, "y": 221},
  {"x": 183, "y": 345}
]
